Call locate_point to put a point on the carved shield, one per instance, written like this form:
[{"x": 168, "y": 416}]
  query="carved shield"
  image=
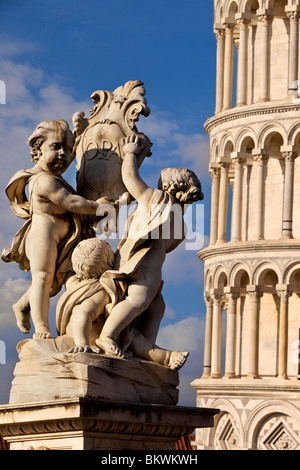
[{"x": 98, "y": 145}]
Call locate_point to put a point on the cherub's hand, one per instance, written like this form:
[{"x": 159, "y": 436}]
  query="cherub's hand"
[
  {"x": 108, "y": 211},
  {"x": 133, "y": 144},
  {"x": 107, "y": 201}
]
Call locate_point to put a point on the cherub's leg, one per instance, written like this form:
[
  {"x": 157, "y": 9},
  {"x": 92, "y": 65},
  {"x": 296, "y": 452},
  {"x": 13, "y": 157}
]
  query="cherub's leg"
[
  {"x": 86, "y": 320},
  {"x": 42, "y": 265},
  {"x": 144, "y": 349},
  {"x": 22, "y": 312},
  {"x": 80, "y": 328},
  {"x": 150, "y": 320},
  {"x": 40, "y": 302},
  {"x": 138, "y": 300}
]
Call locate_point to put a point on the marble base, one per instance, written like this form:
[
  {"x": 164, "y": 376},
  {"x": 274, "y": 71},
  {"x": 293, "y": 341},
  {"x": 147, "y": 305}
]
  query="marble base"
[
  {"x": 86, "y": 424},
  {"x": 47, "y": 372}
]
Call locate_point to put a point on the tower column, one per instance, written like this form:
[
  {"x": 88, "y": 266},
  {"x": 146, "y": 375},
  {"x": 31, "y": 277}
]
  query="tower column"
[
  {"x": 255, "y": 295},
  {"x": 216, "y": 335},
  {"x": 284, "y": 294},
  {"x": 220, "y": 70},
  {"x": 242, "y": 63},
  {"x": 260, "y": 163},
  {"x": 265, "y": 57},
  {"x": 293, "y": 16},
  {"x": 208, "y": 337},
  {"x": 289, "y": 155},
  {"x": 223, "y": 203},
  {"x": 230, "y": 361},
  {"x": 228, "y": 67},
  {"x": 215, "y": 191},
  {"x": 237, "y": 200}
]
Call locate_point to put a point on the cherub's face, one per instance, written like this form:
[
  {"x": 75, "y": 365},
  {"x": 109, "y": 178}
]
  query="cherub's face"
[
  {"x": 56, "y": 152},
  {"x": 192, "y": 193}
]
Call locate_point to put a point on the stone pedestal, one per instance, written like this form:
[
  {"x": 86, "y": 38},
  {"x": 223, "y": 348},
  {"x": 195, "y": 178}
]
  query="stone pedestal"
[
  {"x": 83, "y": 401},
  {"x": 87, "y": 424},
  {"x": 47, "y": 372}
]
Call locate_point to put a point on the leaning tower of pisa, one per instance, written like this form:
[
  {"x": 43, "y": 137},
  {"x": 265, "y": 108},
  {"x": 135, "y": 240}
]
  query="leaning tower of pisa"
[{"x": 252, "y": 264}]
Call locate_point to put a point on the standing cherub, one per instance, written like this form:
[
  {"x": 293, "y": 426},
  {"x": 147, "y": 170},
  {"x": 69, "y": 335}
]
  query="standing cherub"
[
  {"x": 45, "y": 242},
  {"x": 142, "y": 251}
]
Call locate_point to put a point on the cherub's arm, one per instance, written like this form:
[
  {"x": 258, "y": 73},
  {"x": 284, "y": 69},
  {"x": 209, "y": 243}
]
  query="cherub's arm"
[
  {"x": 53, "y": 190},
  {"x": 138, "y": 189}
]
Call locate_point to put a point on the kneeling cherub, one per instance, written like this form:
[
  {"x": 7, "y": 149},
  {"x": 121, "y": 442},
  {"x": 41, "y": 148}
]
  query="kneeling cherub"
[{"x": 80, "y": 311}]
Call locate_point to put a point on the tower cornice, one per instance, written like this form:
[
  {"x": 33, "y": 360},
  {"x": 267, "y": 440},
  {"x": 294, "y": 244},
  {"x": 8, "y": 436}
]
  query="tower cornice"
[
  {"x": 257, "y": 246},
  {"x": 249, "y": 111}
]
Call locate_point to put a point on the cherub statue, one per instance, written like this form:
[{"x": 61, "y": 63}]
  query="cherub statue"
[
  {"x": 53, "y": 227},
  {"x": 142, "y": 251},
  {"x": 81, "y": 310}
]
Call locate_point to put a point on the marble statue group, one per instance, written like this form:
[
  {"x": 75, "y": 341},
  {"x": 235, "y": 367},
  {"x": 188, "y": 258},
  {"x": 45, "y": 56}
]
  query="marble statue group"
[{"x": 110, "y": 302}]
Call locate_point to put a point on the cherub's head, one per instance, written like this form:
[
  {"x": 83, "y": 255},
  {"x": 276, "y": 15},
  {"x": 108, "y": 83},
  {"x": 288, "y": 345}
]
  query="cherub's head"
[
  {"x": 51, "y": 146},
  {"x": 183, "y": 184},
  {"x": 91, "y": 258}
]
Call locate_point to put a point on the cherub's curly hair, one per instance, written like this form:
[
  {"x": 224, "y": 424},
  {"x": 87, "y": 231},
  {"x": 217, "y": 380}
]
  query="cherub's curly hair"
[
  {"x": 91, "y": 258},
  {"x": 182, "y": 183},
  {"x": 41, "y": 133}
]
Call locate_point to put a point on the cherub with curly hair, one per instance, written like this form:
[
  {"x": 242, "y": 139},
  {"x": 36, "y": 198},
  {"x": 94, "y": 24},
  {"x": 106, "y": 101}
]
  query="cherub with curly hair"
[
  {"x": 80, "y": 311},
  {"x": 149, "y": 236},
  {"x": 53, "y": 227}
]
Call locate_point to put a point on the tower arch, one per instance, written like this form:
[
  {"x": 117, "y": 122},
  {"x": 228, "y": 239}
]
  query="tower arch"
[
  {"x": 246, "y": 141},
  {"x": 251, "y": 6},
  {"x": 272, "y": 138},
  {"x": 240, "y": 276},
  {"x": 232, "y": 8}
]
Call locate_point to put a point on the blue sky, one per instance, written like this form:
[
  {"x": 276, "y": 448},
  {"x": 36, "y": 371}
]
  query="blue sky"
[{"x": 53, "y": 56}]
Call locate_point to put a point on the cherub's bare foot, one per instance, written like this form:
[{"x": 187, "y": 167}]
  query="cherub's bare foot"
[
  {"x": 42, "y": 333},
  {"x": 109, "y": 346},
  {"x": 82, "y": 349},
  {"x": 23, "y": 318},
  {"x": 177, "y": 359}
]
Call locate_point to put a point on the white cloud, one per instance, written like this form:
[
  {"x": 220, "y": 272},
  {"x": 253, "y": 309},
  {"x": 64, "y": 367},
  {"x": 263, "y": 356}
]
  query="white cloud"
[
  {"x": 31, "y": 97},
  {"x": 159, "y": 128},
  {"x": 194, "y": 151},
  {"x": 182, "y": 266},
  {"x": 189, "y": 335},
  {"x": 187, "y": 394},
  {"x": 11, "y": 289},
  {"x": 15, "y": 48},
  {"x": 176, "y": 147},
  {"x": 170, "y": 313},
  {"x": 6, "y": 376},
  {"x": 184, "y": 335}
]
